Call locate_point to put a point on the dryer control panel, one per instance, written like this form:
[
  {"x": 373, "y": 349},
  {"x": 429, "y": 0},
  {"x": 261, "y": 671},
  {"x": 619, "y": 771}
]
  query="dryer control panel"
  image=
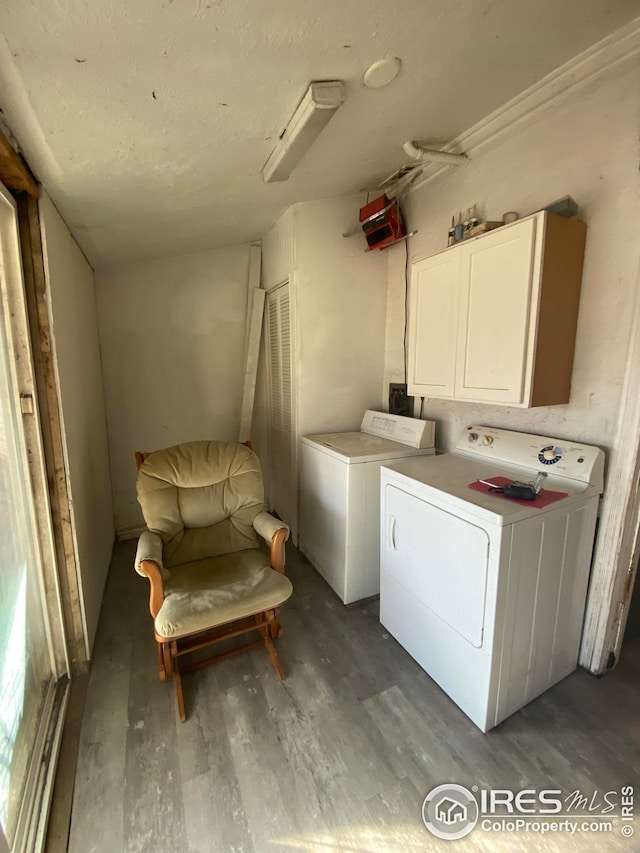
[
  {"x": 557, "y": 456},
  {"x": 410, "y": 431}
]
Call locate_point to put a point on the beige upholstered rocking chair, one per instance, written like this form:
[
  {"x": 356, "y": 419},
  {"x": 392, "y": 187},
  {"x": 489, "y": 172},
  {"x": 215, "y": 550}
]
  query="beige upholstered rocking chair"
[{"x": 211, "y": 577}]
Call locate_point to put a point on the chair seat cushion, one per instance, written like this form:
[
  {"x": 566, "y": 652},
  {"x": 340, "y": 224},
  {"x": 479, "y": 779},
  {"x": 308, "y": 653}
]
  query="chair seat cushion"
[{"x": 208, "y": 593}]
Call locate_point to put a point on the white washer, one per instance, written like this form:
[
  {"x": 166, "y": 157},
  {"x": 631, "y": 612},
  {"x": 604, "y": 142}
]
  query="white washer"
[
  {"x": 340, "y": 497},
  {"x": 488, "y": 594}
]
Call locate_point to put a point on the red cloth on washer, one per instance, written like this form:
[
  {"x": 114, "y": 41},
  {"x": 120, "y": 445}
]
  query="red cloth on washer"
[{"x": 542, "y": 499}]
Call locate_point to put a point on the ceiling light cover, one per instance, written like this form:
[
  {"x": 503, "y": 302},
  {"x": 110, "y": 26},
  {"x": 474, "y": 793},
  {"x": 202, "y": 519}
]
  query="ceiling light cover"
[{"x": 312, "y": 115}]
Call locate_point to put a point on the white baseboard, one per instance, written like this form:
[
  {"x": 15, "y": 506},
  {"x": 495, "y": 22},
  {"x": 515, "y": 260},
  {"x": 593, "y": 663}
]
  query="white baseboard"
[{"x": 130, "y": 533}]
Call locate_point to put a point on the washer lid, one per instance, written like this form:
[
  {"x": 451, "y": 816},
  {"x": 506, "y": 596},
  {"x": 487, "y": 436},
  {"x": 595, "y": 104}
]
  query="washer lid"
[
  {"x": 444, "y": 480},
  {"x": 357, "y": 447}
]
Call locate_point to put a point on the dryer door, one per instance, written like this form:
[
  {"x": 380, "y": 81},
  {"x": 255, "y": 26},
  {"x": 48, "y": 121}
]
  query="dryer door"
[{"x": 439, "y": 559}]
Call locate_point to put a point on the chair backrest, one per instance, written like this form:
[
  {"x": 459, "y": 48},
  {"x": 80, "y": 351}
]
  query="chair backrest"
[{"x": 202, "y": 498}]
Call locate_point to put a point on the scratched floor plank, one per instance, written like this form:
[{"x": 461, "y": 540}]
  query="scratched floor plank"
[{"x": 337, "y": 757}]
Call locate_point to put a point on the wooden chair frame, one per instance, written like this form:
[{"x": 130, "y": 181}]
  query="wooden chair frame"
[{"x": 170, "y": 650}]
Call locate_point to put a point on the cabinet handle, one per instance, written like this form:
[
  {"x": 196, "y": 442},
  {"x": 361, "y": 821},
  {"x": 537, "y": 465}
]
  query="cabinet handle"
[{"x": 392, "y": 532}]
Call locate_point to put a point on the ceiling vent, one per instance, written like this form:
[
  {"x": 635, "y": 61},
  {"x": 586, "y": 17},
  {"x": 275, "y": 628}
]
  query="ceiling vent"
[{"x": 417, "y": 152}]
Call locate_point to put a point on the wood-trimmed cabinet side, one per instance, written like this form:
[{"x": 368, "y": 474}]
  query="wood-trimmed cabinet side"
[{"x": 560, "y": 283}]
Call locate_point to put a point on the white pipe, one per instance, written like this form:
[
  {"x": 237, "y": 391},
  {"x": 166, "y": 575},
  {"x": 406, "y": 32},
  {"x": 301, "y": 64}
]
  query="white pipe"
[{"x": 417, "y": 153}]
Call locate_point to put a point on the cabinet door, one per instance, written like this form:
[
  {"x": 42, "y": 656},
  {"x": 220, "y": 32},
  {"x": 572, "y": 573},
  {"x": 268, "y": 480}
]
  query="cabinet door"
[
  {"x": 432, "y": 325},
  {"x": 493, "y": 330}
]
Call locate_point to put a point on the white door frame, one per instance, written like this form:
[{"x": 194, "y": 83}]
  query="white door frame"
[{"x": 617, "y": 544}]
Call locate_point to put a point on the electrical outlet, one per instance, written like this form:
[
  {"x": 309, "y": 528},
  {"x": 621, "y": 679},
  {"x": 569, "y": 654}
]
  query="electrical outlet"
[{"x": 399, "y": 402}]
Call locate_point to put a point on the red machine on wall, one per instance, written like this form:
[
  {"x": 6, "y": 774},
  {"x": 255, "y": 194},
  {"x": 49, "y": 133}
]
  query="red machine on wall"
[{"x": 382, "y": 222}]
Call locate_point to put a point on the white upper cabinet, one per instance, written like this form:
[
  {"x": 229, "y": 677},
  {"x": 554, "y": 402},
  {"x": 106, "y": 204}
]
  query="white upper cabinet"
[
  {"x": 434, "y": 313},
  {"x": 495, "y": 293},
  {"x": 494, "y": 319}
]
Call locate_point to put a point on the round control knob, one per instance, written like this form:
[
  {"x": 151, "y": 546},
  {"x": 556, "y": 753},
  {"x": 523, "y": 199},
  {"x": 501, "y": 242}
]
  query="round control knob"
[
  {"x": 473, "y": 436},
  {"x": 488, "y": 439},
  {"x": 550, "y": 454}
]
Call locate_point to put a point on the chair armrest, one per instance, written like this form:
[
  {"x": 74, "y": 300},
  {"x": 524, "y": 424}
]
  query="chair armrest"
[
  {"x": 275, "y": 533},
  {"x": 148, "y": 563},
  {"x": 149, "y": 548}
]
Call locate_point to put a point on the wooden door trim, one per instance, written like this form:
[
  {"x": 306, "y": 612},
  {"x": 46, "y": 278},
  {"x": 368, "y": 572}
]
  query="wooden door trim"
[
  {"x": 14, "y": 172},
  {"x": 48, "y": 398}
]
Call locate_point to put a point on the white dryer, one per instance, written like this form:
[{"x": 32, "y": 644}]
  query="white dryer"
[
  {"x": 488, "y": 593},
  {"x": 340, "y": 497}
]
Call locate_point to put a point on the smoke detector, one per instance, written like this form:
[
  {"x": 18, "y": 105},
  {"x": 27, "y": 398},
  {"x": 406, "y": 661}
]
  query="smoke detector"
[{"x": 383, "y": 72}]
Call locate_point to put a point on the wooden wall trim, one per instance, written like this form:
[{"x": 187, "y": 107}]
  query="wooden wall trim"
[
  {"x": 51, "y": 426},
  {"x": 14, "y": 172}
]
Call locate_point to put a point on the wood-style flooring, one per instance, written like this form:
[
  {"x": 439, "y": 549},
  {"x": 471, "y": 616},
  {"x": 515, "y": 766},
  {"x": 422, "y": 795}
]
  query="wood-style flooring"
[{"x": 337, "y": 757}]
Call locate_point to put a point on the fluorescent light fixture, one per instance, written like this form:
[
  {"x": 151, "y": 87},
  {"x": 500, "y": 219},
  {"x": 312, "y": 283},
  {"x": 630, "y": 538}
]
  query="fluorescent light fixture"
[{"x": 316, "y": 108}]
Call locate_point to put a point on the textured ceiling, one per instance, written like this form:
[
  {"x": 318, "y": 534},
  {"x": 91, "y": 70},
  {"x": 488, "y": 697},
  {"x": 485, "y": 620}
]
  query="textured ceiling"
[{"x": 148, "y": 121}]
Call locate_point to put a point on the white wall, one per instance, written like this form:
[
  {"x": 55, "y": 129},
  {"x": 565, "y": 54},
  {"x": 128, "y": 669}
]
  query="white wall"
[
  {"x": 586, "y": 145},
  {"x": 71, "y": 295},
  {"x": 172, "y": 336},
  {"x": 339, "y": 293},
  {"x": 340, "y": 315}
]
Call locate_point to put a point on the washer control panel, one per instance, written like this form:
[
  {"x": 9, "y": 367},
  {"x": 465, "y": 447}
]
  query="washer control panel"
[
  {"x": 410, "y": 431},
  {"x": 560, "y": 457}
]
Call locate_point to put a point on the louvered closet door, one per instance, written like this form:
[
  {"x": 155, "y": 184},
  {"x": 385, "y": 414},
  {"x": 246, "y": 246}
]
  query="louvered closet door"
[{"x": 283, "y": 497}]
